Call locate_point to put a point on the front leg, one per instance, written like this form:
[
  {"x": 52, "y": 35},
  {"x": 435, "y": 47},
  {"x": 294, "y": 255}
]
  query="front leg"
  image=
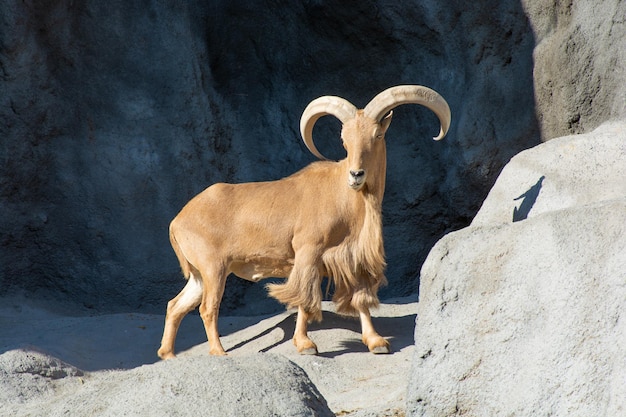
[
  {"x": 301, "y": 340},
  {"x": 374, "y": 342},
  {"x": 302, "y": 290}
]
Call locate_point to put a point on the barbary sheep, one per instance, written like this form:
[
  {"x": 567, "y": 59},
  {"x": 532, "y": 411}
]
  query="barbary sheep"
[{"x": 322, "y": 221}]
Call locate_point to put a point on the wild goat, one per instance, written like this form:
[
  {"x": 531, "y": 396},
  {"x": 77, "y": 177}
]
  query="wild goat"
[{"x": 323, "y": 221}]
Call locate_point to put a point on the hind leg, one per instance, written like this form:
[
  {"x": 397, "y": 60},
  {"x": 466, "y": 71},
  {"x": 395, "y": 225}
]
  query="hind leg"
[
  {"x": 188, "y": 299},
  {"x": 214, "y": 282}
]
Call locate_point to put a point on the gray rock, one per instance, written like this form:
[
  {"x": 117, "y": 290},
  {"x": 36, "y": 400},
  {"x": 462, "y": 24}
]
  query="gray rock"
[
  {"x": 578, "y": 76},
  {"x": 36, "y": 363},
  {"x": 26, "y": 375},
  {"x": 525, "y": 317},
  {"x": 263, "y": 385},
  {"x": 565, "y": 172}
]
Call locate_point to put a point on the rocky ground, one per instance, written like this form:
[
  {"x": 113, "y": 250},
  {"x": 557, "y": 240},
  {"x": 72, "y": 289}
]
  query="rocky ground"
[{"x": 351, "y": 380}]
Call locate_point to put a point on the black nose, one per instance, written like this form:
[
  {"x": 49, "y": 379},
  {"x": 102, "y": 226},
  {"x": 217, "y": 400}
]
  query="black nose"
[{"x": 357, "y": 174}]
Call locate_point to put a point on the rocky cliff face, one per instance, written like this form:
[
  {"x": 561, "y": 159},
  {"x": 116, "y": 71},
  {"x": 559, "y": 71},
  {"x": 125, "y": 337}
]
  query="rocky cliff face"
[
  {"x": 578, "y": 75},
  {"x": 113, "y": 115}
]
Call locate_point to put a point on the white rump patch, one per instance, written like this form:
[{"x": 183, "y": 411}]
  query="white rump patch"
[{"x": 192, "y": 293}]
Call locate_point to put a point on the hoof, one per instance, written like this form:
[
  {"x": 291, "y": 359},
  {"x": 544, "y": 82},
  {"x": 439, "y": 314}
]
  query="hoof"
[
  {"x": 305, "y": 346},
  {"x": 217, "y": 352},
  {"x": 378, "y": 345},
  {"x": 308, "y": 351},
  {"x": 380, "y": 350},
  {"x": 166, "y": 355}
]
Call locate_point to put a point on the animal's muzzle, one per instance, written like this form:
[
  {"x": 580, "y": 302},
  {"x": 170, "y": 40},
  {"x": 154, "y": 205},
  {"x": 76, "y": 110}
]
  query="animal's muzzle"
[{"x": 356, "y": 179}]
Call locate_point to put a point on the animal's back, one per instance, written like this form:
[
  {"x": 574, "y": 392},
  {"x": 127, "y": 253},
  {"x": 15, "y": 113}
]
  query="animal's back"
[{"x": 251, "y": 226}]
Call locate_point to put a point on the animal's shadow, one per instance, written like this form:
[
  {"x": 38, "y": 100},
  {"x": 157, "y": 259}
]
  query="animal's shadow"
[
  {"x": 398, "y": 330},
  {"x": 528, "y": 201}
]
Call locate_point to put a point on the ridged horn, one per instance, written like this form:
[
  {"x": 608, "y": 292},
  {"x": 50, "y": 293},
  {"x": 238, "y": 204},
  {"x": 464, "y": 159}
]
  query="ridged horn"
[
  {"x": 410, "y": 94},
  {"x": 341, "y": 108}
]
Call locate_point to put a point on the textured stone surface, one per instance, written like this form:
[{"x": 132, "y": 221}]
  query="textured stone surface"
[
  {"x": 578, "y": 75},
  {"x": 562, "y": 173},
  {"x": 526, "y": 317},
  {"x": 354, "y": 382},
  {"x": 114, "y": 114},
  {"x": 263, "y": 385}
]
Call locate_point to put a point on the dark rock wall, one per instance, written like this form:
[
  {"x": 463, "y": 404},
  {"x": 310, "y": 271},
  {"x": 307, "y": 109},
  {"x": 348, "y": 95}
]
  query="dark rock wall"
[{"x": 114, "y": 114}]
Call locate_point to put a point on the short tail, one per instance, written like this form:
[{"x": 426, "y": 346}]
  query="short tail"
[{"x": 184, "y": 263}]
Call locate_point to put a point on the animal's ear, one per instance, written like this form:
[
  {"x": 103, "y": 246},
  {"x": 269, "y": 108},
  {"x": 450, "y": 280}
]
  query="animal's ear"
[{"x": 384, "y": 124}]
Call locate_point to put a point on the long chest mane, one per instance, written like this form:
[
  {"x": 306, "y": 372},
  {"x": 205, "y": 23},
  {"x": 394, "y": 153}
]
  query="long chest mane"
[{"x": 361, "y": 255}]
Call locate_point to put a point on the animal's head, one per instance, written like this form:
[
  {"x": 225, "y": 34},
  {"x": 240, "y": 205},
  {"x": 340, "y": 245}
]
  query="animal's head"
[{"x": 363, "y": 131}]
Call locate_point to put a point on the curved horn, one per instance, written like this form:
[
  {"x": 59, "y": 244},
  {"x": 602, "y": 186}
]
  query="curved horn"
[
  {"x": 341, "y": 108},
  {"x": 410, "y": 94}
]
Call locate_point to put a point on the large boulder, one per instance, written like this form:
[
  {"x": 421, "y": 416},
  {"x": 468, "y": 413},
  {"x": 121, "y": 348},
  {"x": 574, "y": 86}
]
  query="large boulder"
[
  {"x": 33, "y": 383},
  {"x": 522, "y": 312}
]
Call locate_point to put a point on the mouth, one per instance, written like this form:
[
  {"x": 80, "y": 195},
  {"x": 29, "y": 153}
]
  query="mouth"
[
  {"x": 356, "y": 179},
  {"x": 355, "y": 183}
]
